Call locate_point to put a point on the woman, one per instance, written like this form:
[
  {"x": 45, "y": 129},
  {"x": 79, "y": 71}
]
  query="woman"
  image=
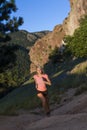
[{"x": 41, "y": 81}]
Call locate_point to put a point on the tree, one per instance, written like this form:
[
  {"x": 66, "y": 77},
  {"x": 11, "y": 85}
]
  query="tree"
[{"x": 8, "y": 24}]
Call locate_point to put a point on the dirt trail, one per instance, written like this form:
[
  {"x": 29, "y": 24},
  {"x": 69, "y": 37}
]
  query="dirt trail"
[{"x": 70, "y": 116}]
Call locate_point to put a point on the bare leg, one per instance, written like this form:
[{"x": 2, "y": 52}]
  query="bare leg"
[{"x": 45, "y": 103}]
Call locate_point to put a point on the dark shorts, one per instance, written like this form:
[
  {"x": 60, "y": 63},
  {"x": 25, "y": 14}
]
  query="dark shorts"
[{"x": 44, "y": 93}]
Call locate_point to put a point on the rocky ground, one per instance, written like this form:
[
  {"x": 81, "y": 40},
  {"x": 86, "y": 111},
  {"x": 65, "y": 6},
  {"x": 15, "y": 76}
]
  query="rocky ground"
[{"x": 69, "y": 115}]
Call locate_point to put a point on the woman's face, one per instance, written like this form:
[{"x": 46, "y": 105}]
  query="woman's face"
[{"x": 39, "y": 71}]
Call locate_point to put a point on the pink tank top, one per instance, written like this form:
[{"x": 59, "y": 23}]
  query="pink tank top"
[{"x": 40, "y": 85}]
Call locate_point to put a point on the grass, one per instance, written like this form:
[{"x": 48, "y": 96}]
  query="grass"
[
  {"x": 23, "y": 97},
  {"x": 72, "y": 74}
]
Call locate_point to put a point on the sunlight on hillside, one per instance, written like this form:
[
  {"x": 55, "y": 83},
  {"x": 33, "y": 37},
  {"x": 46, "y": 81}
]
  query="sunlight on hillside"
[
  {"x": 28, "y": 82},
  {"x": 80, "y": 68},
  {"x": 56, "y": 74}
]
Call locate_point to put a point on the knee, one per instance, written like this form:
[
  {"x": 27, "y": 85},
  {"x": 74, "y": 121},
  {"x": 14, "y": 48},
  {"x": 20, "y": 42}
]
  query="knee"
[{"x": 41, "y": 97}]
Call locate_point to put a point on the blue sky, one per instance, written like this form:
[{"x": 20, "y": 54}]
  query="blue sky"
[{"x": 41, "y": 15}]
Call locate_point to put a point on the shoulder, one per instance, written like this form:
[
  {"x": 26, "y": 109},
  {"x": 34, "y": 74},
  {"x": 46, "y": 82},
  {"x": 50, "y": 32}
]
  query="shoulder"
[
  {"x": 35, "y": 76},
  {"x": 45, "y": 75}
]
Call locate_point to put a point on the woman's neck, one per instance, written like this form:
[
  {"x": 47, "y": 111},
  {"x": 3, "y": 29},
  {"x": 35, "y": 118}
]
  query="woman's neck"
[{"x": 39, "y": 75}]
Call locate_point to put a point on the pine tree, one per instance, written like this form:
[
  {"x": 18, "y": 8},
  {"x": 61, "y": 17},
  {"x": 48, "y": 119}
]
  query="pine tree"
[{"x": 8, "y": 24}]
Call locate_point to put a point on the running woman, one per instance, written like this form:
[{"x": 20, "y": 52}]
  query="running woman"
[{"x": 41, "y": 80}]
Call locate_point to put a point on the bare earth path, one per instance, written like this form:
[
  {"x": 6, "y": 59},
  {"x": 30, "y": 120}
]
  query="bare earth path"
[{"x": 70, "y": 116}]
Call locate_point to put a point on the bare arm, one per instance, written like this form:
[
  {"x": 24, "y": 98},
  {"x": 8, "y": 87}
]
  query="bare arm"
[
  {"x": 36, "y": 85},
  {"x": 48, "y": 82}
]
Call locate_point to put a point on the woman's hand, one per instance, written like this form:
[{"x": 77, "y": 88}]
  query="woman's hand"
[{"x": 48, "y": 82}]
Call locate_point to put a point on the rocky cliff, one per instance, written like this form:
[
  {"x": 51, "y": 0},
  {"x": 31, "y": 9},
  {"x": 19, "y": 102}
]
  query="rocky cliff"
[
  {"x": 78, "y": 10},
  {"x": 39, "y": 53}
]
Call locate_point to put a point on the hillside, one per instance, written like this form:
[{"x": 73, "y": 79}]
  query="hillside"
[
  {"x": 64, "y": 76},
  {"x": 68, "y": 99},
  {"x": 71, "y": 115},
  {"x": 14, "y": 59}
]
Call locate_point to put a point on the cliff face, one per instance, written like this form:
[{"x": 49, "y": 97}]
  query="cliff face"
[
  {"x": 39, "y": 53},
  {"x": 78, "y": 10}
]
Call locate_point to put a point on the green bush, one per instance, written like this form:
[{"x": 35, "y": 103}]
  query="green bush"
[{"x": 77, "y": 44}]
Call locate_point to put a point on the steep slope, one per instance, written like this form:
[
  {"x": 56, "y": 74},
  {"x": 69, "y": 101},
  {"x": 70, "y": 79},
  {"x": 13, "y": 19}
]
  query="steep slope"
[{"x": 71, "y": 116}]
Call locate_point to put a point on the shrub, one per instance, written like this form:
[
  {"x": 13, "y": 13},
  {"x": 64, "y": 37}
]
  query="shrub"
[{"x": 77, "y": 44}]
